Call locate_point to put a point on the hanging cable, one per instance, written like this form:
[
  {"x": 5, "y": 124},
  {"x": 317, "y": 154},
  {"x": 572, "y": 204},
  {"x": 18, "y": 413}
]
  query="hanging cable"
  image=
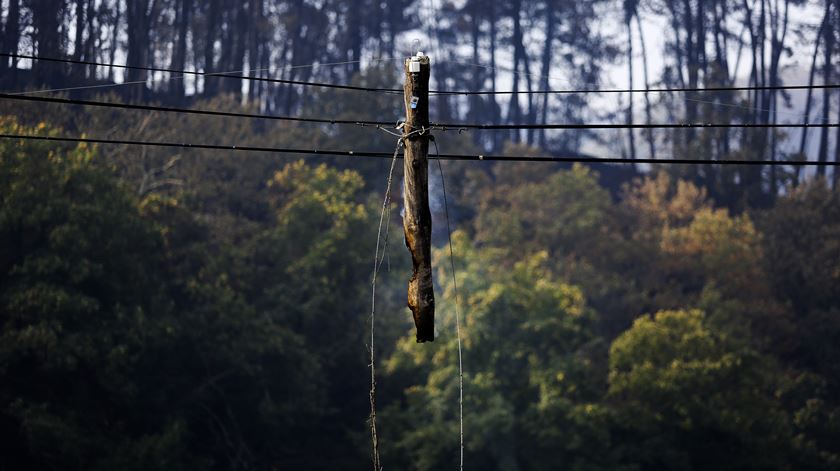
[
  {"x": 439, "y": 126},
  {"x": 480, "y": 157},
  {"x": 614, "y": 90},
  {"x": 169, "y": 109},
  {"x": 205, "y": 74},
  {"x": 457, "y": 315},
  {"x": 639, "y": 90},
  {"x": 237, "y": 75},
  {"x": 374, "y": 436},
  {"x": 496, "y": 127}
]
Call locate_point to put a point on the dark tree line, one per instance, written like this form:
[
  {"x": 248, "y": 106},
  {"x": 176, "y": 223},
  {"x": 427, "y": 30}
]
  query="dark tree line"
[
  {"x": 178, "y": 309},
  {"x": 478, "y": 45}
]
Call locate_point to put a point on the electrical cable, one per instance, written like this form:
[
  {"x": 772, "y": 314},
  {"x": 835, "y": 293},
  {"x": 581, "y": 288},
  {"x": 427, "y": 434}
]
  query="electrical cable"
[
  {"x": 492, "y": 127},
  {"x": 374, "y": 436},
  {"x": 641, "y": 90},
  {"x": 440, "y": 126},
  {"x": 431, "y": 92},
  {"x": 204, "y": 74},
  {"x": 169, "y": 109},
  {"x": 457, "y": 315},
  {"x": 468, "y": 157}
]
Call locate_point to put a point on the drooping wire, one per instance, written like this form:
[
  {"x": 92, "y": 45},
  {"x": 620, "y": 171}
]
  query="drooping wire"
[
  {"x": 352, "y": 153},
  {"x": 170, "y": 109},
  {"x": 374, "y": 436},
  {"x": 497, "y": 127},
  {"x": 439, "y": 126},
  {"x": 457, "y": 315},
  {"x": 235, "y": 75},
  {"x": 638, "y": 90}
]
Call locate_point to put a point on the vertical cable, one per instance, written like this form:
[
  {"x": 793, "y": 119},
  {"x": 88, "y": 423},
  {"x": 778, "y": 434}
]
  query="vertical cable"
[
  {"x": 457, "y": 316},
  {"x": 374, "y": 436}
]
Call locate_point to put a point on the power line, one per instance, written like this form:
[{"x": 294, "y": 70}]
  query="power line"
[
  {"x": 496, "y": 127},
  {"x": 169, "y": 109},
  {"x": 351, "y": 153},
  {"x": 616, "y": 90},
  {"x": 203, "y": 74},
  {"x": 433, "y": 92},
  {"x": 640, "y": 90},
  {"x": 440, "y": 126}
]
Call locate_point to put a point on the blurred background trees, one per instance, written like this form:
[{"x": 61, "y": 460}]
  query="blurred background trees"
[{"x": 187, "y": 309}]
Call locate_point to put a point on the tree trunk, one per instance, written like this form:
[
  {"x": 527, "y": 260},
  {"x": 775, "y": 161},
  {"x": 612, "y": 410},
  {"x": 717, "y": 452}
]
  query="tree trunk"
[
  {"x": 354, "y": 37},
  {"x": 78, "y": 69},
  {"x": 836, "y": 170},
  {"x": 179, "y": 51},
  {"x": 514, "y": 111},
  {"x": 46, "y": 19},
  {"x": 550, "y": 21},
  {"x": 254, "y": 47},
  {"x": 11, "y": 39},
  {"x": 648, "y": 118},
  {"x": 630, "y": 131},
  {"x": 137, "y": 18},
  {"x": 494, "y": 105},
  {"x": 826, "y": 105},
  {"x": 526, "y": 63},
  {"x": 475, "y": 113},
  {"x": 114, "y": 35},
  {"x": 808, "y": 100},
  {"x": 91, "y": 45},
  {"x": 238, "y": 53},
  {"x": 210, "y": 84},
  {"x": 776, "y": 49}
]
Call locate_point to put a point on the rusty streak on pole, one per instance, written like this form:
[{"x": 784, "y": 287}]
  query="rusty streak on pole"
[{"x": 417, "y": 221}]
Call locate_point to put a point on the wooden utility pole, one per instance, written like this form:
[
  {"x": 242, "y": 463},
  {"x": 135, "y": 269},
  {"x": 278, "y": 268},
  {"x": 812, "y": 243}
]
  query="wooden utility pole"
[{"x": 417, "y": 221}]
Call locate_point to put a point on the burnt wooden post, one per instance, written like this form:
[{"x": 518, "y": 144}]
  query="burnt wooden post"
[{"x": 417, "y": 220}]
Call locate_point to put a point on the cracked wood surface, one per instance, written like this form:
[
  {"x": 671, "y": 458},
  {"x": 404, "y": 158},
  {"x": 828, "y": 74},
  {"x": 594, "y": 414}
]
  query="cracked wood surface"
[{"x": 417, "y": 220}]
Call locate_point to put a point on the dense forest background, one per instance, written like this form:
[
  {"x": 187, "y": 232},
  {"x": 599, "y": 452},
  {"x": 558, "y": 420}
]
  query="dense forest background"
[{"x": 187, "y": 309}]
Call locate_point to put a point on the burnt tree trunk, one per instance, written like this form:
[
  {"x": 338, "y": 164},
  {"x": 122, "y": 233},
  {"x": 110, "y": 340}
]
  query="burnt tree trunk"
[
  {"x": 648, "y": 120},
  {"x": 179, "y": 52},
  {"x": 11, "y": 38},
  {"x": 822, "y": 155},
  {"x": 417, "y": 221}
]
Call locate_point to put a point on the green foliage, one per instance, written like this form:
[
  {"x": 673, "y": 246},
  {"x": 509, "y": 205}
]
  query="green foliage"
[
  {"x": 121, "y": 343},
  {"x": 528, "y": 354},
  {"x": 565, "y": 211},
  {"x": 687, "y": 396},
  {"x": 80, "y": 303}
]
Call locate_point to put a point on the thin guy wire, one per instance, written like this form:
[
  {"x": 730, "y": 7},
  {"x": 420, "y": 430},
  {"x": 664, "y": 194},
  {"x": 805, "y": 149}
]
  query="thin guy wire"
[
  {"x": 457, "y": 315},
  {"x": 207, "y": 74},
  {"x": 377, "y": 466},
  {"x": 351, "y": 153},
  {"x": 87, "y": 87},
  {"x": 133, "y": 82}
]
